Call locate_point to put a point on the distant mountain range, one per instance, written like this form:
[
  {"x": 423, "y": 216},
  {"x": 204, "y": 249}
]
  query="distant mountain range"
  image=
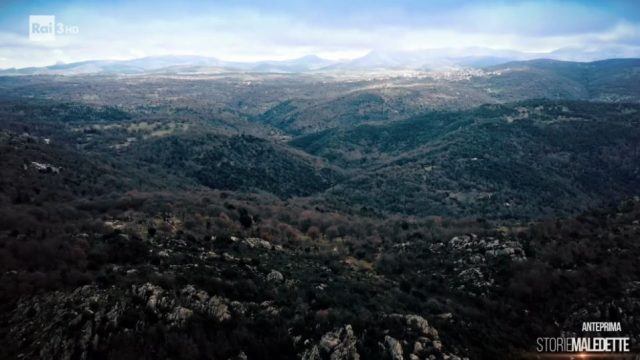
[
  {"x": 423, "y": 60},
  {"x": 174, "y": 64}
]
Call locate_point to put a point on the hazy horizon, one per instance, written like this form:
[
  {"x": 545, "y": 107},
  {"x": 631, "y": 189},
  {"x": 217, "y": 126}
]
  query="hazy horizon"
[{"x": 525, "y": 56}]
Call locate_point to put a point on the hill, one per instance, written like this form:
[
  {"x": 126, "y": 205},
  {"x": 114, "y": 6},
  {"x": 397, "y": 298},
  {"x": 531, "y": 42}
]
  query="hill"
[
  {"x": 237, "y": 163},
  {"x": 605, "y": 80},
  {"x": 271, "y": 216},
  {"x": 525, "y": 159}
]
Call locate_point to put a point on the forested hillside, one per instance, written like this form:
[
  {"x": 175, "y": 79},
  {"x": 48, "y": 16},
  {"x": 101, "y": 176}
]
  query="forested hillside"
[{"x": 317, "y": 216}]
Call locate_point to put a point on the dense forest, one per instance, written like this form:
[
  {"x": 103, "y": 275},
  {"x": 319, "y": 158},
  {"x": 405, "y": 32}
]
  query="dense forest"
[{"x": 303, "y": 217}]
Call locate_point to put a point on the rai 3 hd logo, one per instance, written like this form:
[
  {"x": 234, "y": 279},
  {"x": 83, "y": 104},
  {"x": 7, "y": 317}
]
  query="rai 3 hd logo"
[{"x": 45, "y": 28}]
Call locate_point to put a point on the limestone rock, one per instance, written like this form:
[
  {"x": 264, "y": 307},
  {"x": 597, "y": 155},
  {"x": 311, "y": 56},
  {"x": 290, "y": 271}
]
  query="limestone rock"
[
  {"x": 275, "y": 277},
  {"x": 336, "y": 345},
  {"x": 394, "y": 348}
]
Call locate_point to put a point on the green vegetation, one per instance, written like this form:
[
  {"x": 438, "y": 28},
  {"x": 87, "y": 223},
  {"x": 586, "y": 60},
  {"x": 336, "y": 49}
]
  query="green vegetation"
[
  {"x": 279, "y": 216},
  {"x": 518, "y": 161}
]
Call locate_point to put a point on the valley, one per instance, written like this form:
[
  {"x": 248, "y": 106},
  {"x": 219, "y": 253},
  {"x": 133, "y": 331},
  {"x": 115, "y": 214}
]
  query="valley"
[{"x": 186, "y": 214}]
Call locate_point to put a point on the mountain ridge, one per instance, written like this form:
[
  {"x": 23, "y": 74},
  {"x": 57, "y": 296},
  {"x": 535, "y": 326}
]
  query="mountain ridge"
[{"x": 426, "y": 60}]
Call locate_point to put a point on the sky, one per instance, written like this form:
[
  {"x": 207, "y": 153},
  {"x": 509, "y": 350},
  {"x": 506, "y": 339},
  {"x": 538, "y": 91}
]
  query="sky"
[{"x": 253, "y": 30}]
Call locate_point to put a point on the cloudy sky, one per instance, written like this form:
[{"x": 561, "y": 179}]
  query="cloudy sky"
[{"x": 249, "y": 30}]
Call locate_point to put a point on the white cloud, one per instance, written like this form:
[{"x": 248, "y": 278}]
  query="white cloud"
[{"x": 250, "y": 35}]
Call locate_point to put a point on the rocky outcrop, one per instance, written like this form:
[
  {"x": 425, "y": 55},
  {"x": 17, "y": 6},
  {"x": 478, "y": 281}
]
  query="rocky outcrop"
[
  {"x": 487, "y": 247},
  {"x": 275, "y": 277},
  {"x": 64, "y": 332},
  {"x": 393, "y": 348},
  {"x": 405, "y": 337},
  {"x": 179, "y": 316},
  {"x": 476, "y": 260},
  {"x": 475, "y": 277},
  {"x": 336, "y": 345},
  {"x": 261, "y": 244},
  {"x": 153, "y": 297},
  {"x": 414, "y": 330},
  {"x": 215, "y": 307},
  {"x": 80, "y": 323}
]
